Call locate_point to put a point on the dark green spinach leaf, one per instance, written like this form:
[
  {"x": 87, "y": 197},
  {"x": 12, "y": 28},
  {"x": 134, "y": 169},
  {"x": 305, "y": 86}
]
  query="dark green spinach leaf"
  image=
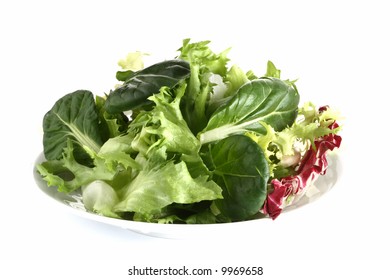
[
  {"x": 73, "y": 116},
  {"x": 240, "y": 168},
  {"x": 268, "y": 100},
  {"x": 140, "y": 85}
]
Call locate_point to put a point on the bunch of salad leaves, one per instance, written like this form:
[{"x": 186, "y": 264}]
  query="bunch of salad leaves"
[{"x": 188, "y": 140}]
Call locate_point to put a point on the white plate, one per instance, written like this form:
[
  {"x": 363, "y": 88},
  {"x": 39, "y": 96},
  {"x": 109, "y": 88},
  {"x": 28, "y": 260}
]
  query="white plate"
[{"x": 73, "y": 202}]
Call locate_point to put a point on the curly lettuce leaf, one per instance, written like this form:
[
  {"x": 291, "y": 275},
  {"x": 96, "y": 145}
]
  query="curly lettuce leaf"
[
  {"x": 162, "y": 182},
  {"x": 164, "y": 125},
  {"x": 310, "y": 124},
  {"x": 117, "y": 151},
  {"x": 111, "y": 125},
  {"x": 203, "y": 64},
  {"x": 285, "y": 148},
  {"x": 69, "y": 175}
]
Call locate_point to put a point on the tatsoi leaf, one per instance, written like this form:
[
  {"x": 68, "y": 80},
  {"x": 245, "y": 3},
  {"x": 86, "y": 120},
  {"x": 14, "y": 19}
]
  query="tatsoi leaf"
[
  {"x": 75, "y": 117},
  {"x": 241, "y": 169},
  {"x": 142, "y": 84},
  {"x": 268, "y": 100}
]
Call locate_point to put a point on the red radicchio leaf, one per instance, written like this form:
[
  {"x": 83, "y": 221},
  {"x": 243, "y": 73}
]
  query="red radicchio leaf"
[{"x": 313, "y": 164}]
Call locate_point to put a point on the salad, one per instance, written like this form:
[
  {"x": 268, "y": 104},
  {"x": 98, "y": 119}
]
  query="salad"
[{"x": 189, "y": 140}]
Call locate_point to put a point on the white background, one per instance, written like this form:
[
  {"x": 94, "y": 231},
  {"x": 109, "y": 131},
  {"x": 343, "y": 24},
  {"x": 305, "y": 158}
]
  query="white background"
[{"x": 339, "y": 50}]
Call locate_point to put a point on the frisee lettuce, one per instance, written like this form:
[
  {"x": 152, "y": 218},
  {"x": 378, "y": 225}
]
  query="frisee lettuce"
[{"x": 206, "y": 142}]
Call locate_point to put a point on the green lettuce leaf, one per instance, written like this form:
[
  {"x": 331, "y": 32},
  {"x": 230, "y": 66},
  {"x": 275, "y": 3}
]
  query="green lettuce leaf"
[
  {"x": 162, "y": 182},
  {"x": 118, "y": 151},
  {"x": 69, "y": 175},
  {"x": 203, "y": 64},
  {"x": 234, "y": 79},
  {"x": 272, "y": 71},
  {"x": 99, "y": 197},
  {"x": 283, "y": 149},
  {"x": 164, "y": 125},
  {"x": 111, "y": 125}
]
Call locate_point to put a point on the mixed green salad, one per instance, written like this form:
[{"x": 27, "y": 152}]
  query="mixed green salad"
[{"x": 188, "y": 140}]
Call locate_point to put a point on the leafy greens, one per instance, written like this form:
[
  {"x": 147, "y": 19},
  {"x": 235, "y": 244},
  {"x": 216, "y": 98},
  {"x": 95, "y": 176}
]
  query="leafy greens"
[
  {"x": 138, "y": 86},
  {"x": 264, "y": 100},
  {"x": 205, "y": 143},
  {"x": 240, "y": 168},
  {"x": 73, "y": 116}
]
